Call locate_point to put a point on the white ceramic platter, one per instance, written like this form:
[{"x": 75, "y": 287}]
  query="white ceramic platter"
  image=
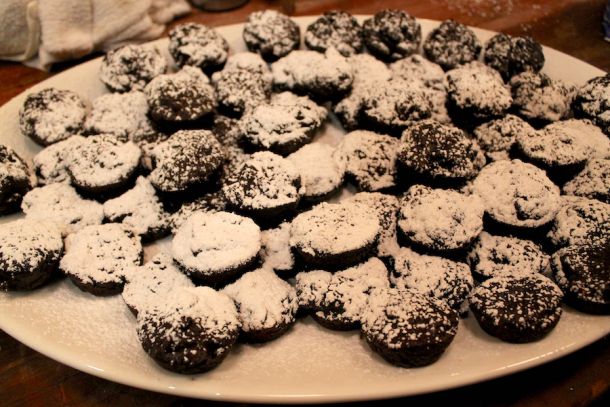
[{"x": 309, "y": 364}]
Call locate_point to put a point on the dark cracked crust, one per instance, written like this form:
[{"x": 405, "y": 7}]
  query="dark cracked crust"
[
  {"x": 451, "y": 44},
  {"x": 512, "y": 55},
  {"x": 271, "y": 34},
  {"x": 335, "y": 29},
  {"x": 199, "y": 46},
  {"x": 391, "y": 35}
]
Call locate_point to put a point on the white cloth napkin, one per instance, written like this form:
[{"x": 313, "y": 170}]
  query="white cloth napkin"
[{"x": 58, "y": 30}]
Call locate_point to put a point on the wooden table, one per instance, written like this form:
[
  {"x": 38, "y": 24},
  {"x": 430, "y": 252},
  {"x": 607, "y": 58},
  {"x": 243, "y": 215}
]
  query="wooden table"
[{"x": 582, "y": 378}]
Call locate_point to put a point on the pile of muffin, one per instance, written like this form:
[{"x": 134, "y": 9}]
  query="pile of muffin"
[{"x": 481, "y": 182}]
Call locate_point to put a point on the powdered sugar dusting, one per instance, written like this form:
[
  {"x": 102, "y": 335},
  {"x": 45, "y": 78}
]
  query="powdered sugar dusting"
[
  {"x": 320, "y": 172},
  {"x": 51, "y": 163},
  {"x": 27, "y": 244},
  {"x": 275, "y": 251},
  {"x": 386, "y": 208}
]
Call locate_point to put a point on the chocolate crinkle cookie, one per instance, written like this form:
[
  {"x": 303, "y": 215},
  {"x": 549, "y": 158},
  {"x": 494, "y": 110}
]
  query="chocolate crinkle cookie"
[
  {"x": 29, "y": 253},
  {"x": 506, "y": 256},
  {"x": 266, "y": 186},
  {"x": 15, "y": 180},
  {"x": 323, "y": 77},
  {"x": 579, "y": 221},
  {"x": 347, "y": 295},
  {"x": 457, "y": 220},
  {"x": 311, "y": 286},
  {"x": 517, "y": 310},
  {"x": 266, "y": 305},
  {"x": 335, "y": 29},
  {"x": 199, "y": 46},
  {"x": 391, "y": 35},
  {"x": 476, "y": 93},
  {"x": 335, "y": 236},
  {"x": 241, "y": 89},
  {"x": 50, "y": 164},
  {"x": 188, "y": 158},
  {"x": 438, "y": 154},
  {"x": 592, "y": 182},
  {"x": 583, "y": 273},
  {"x": 408, "y": 328},
  {"x": 592, "y": 102},
  {"x": 52, "y": 115},
  {"x": 539, "y": 99},
  {"x": 321, "y": 174},
  {"x": 190, "y": 332},
  {"x": 209, "y": 202},
  {"x": 512, "y": 55},
  {"x": 214, "y": 248},
  {"x": 182, "y": 96},
  {"x": 497, "y": 137},
  {"x": 98, "y": 256},
  {"x": 283, "y": 125},
  {"x": 451, "y": 44},
  {"x": 131, "y": 67},
  {"x": 369, "y": 159},
  {"x": 271, "y": 34},
  {"x": 438, "y": 277}
]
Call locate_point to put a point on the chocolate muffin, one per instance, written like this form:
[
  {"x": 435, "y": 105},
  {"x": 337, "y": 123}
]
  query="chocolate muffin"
[
  {"x": 271, "y": 34},
  {"x": 592, "y": 182},
  {"x": 15, "y": 180},
  {"x": 592, "y": 102},
  {"x": 321, "y": 174},
  {"x": 498, "y": 137},
  {"x": 335, "y": 29},
  {"x": 52, "y": 115},
  {"x": 199, "y": 46},
  {"x": 578, "y": 221},
  {"x": 391, "y": 34},
  {"x": 451, "y": 44},
  {"x": 513, "y": 55},
  {"x": 131, "y": 67},
  {"x": 29, "y": 254},
  {"x": 50, "y": 164}
]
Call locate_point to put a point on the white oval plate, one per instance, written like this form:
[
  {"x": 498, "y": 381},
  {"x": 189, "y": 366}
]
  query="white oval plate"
[{"x": 309, "y": 364}]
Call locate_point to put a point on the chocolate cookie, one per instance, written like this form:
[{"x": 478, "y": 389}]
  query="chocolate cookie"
[
  {"x": 199, "y": 46},
  {"x": 592, "y": 182},
  {"x": 52, "y": 115},
  {"x": 451, "y": 44},
  {"x": 578, "y": 221},
  {"x": 512, "y": 55},
  {"x": 335, "y": 29},
  {"x": 311, "y": 287},
  {"x": 51, "y": 162},
  {"x": 592, "y": 102},
  {"x": 29, "y": 254},
  {"x": 321, "y": 174},
  {"x": 271, "y": 34},
  {"x": 266, "y": 305},
  {"x": 391, "y": 34},
  {"x": 497, "y": 137},
  {"x": 210, "y": 202},
  {"x": 15, "y": 180},
  {"x": 275, "y": 250},
  {"x": 241, "y": 89},
  {"x": 215, "y": 248},
  {"x": 131, "y": 67},
  {"x": 517, "y": 310},
  {"x": 408, "y": 329}
]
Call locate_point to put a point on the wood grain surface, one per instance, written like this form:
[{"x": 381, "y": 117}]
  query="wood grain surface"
[{"x": 580, "y": 379}]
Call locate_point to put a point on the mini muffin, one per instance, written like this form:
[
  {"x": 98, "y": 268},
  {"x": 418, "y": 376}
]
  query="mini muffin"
[
  {"x": 124, "y": 115},
  {"x": 321, "y": 174},
  {"x": 335, "y": 29},
  {"x": 179, "y": 97},
  {"x": 266, "y": 305},
  {"x": 517, "y": 310},
  {"x": 563, "y": 148},
  {"x": 451, "y": 44},
  {"x": 98, "y": 257},
  {"x": 335, "y": 236},
  {"x": 592, "y": 182},
  {"x": 15, "y": 180},
  {"x": 583, "y": 273},
  {"x": 323, "y": 77},
  {"x": 190, "y": 332},
  {"x": 512, "y": 55},
  {"x": 457, "y": 220},
  {"x": 283, "y": 125},
  {"x": 131, "y": 67},
  {"x": 368, "y": 73},
  {"x": 147, "y": 285},
  {"x": 578, "y": 221},
  {"x": 348, "y": 293},
  {"x": 438, "y": 277},
  {"x": 369, "y": 159},
  {"x": 241, "y": 89},
  {"x": 592, "y": 102},
  {"x": 140, "y": 210},
  {"x": 506, "y": 256},
  {"x": 199, "y": 46},
  {"x": 391, "y": 34},
  {"x": 102, "y": 164},
  {"x": 438, "y": 154},
  {"x": 386, "y": 207},
  {"x": 539, "y": 99},
  {"x": 266, "y": 186},
  {"x": 275, "y": 250},
  {"x": 52, "y": 115},
  {"x": 187, "y": 159},
  {"x": 50, "y": 164},
  {"x": 271, "y": 34},
  {"x": 210, "y": 202},
  {"x": 59, "y": 203},
  {"x": 29, "y": 254},
  {"x": 215, "y": 248},
  {"x": 407, "y": 328},
  {"x": 497, "y": 137},
  {"x": 517, "y": 195},
  {"x": 476, "y": 93}
]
